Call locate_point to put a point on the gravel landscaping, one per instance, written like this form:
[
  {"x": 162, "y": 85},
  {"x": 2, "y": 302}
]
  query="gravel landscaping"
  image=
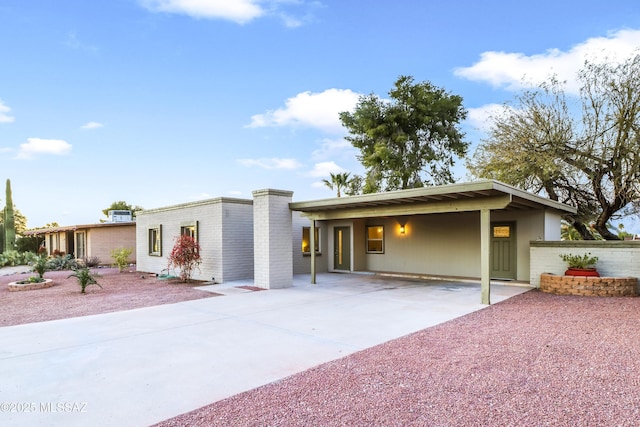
[
  {"x": 533, "y": 360},
  {"x": 120, "y": 291},
  {"x": 536, "y": 359}
]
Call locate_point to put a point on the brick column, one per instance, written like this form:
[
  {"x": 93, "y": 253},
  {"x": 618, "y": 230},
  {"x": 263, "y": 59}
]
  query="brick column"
[{"x": 272, "y": 237}]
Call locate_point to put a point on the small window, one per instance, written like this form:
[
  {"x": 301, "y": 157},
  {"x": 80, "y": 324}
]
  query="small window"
[
  {"x": 375, "y": 239},
  {"x": 501, "y": 231},
  {"x": 190, "y": 229},
  {"x": 155, "y": 240},
  {"x": 306, "y": 240}
]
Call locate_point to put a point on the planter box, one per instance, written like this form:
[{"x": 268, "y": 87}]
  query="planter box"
[
  {"x": 15, "y": 286},
  {"x": 588, "y": 286}
]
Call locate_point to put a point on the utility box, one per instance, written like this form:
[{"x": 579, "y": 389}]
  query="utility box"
[{"x": 120, "y": 216}]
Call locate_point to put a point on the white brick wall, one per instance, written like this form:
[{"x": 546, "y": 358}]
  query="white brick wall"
[
  {"x": 273, "y": 262},
  {"x": 220, "y": 221},
  {"x": 616, "y": 259}
]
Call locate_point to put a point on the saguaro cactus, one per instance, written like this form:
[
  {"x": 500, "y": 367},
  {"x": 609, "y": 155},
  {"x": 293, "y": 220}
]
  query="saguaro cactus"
[{"x": 9, "y": 221}]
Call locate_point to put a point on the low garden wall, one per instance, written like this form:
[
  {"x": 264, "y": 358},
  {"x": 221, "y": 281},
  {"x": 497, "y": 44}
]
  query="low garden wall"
[
  {"x": 616, "y": 259},
  {"x": 589, "y": 286}
]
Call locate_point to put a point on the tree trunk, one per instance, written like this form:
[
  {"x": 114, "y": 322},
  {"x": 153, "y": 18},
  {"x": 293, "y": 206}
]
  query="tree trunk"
[{"x": 583, "y": 230}]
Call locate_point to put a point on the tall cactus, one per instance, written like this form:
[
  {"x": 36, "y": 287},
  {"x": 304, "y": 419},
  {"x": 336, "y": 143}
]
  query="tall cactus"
[{"x": 9, "y": 221}]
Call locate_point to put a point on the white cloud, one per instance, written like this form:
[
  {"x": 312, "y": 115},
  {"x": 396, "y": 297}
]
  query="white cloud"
[
  {"x": 514, "y": 71},
  {"x": 316, "y": 110},
  {"x": 35, "y": 146},
  {"x": 92, "y": 125},
  {"x": 324, "y": 169},
  {"x": 272, "y": 163},
  {"x": 239, "y": 11},
  {"x": 332, "y": 148},
  {"x": 4, "y": 114},
  {"x": 480, "y": 118}
]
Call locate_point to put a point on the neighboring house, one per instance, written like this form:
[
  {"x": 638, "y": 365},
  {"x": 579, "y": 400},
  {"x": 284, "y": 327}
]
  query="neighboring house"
[
  {"x": 472, "y": 230},
  {"x": 91, "y": 240}
]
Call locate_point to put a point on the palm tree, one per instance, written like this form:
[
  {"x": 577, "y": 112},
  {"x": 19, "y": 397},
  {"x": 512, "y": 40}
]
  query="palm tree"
[{"x": 338, "y": 181}]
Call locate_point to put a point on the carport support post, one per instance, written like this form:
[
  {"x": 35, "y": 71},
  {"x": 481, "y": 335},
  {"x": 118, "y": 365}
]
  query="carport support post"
[
  {"x": 485, "y": 260},
  {"x": 312, "y": 242}
]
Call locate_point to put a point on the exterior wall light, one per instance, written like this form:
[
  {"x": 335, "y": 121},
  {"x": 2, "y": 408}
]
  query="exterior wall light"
[{"x": 402, "y": 229}]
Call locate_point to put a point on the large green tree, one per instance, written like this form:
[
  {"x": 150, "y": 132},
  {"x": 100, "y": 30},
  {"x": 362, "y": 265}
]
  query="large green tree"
[
  {"x": 582, "y": 150},
  {"x": 409, "y": 140}
]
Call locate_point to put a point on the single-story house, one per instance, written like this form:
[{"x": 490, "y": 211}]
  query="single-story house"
[
  {"x": 89, "y": 240},
  {"x": 473, "y": 230}
]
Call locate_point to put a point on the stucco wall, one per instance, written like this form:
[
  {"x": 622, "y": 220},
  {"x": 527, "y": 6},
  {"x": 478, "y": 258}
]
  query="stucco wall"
[
  {"x": 615, "y": 259},
  {"x": 102, "y": 240},
  {"x": 441, "y": 244},
  {"x": 301, "y": 261}
]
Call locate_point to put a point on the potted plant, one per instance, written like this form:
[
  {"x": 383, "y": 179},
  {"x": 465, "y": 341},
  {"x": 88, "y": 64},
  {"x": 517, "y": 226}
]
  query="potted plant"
[{"x": 580, "y": 265}]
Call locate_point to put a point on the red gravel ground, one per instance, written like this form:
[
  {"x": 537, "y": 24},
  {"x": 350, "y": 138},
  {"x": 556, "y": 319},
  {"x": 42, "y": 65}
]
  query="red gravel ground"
[
  {"x": 533, "y": 360},
  {"x": 120, "y": 291}
]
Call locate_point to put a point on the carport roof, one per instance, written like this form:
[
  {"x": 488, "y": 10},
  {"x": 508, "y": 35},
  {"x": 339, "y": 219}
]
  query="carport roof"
[{"x": 489, "y": 194}]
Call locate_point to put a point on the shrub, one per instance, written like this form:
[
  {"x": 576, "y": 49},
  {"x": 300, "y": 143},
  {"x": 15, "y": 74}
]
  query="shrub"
[
  {"x": 185, "y": 255},
  {"x": 29, "y": 243},
  {"x": 121, "y": 257},
  {"x": 66, "y": 262},
  {"x": 85, "y": 278},
  {"x": 40, "y": 265},
  {"x": 92, "y": 261},
  {"x": 580, "y": 261},
  {"x": 12, "y": 257}
]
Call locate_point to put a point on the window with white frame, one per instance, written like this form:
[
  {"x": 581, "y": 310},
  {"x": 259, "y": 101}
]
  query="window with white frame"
[{"x": 375, "y": 239}]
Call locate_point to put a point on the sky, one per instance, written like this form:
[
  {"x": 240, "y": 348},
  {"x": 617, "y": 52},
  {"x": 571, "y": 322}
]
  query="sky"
[{"x": 161, "y": 102}]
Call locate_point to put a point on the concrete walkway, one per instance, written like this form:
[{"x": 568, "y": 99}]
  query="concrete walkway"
[{"x": 138, "y": 367}]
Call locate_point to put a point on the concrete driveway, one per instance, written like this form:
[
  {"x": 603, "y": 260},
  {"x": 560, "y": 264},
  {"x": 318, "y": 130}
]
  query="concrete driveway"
[{"x": 143, "y": 366}]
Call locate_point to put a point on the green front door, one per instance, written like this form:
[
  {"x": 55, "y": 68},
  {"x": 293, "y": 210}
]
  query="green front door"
[
  {"x": 503, "y": 251},
  {"x": 341, "y": 248}
]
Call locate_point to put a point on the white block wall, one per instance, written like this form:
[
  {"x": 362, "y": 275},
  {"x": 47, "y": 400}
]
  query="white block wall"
[
  {"x": 615, "y": 259},
  {"x": 272, "y": 236},
  {"x": 222, "y": 223}
]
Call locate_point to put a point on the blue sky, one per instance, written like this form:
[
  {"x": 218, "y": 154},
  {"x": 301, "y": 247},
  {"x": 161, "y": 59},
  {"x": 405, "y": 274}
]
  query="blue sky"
[{"x": 158, "y": 102}]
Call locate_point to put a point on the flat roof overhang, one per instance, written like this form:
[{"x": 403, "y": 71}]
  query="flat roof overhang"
[{"x": 461, "y": 197}]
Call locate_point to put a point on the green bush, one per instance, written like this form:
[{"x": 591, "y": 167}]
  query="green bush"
[
  {"x": 580, "y": 261},
  {"x": 13, "y": 257},
  {"x": 85, "y": 278},
  {"x": 65, "y": 262},
  {"x": 121, "y": 257},
  {"x": 40, "y": 265},
  {"x": 29, "y": 243}
]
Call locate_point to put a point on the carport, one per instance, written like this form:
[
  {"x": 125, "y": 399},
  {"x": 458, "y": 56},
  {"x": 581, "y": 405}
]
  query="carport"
[{"x": 537, "y": 218}]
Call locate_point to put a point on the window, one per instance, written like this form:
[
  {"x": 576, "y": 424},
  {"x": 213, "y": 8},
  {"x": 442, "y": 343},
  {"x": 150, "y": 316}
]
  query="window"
[
  {"x": 155, "y": 240},
  {"x": 189, "y": 229},
  {"x": 81, "y": 246},
  {"x": 375, "y": 239},
  {"x": 306, "y": 240}
]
